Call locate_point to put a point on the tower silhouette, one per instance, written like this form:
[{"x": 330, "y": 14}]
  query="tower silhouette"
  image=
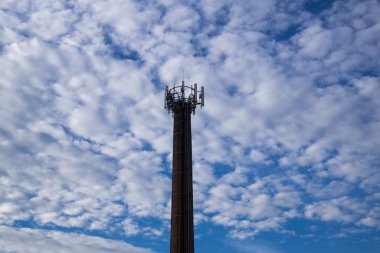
[{"x": 181, "y": 101}]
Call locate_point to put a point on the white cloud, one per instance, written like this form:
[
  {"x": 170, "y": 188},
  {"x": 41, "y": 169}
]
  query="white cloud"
[
  {"x": 343, "y": 209},
  {"x": 181, "y": 18},
  {"x": 65, "y": 133},
  {"x": 257, "y": 156},
  {"x": 315, "y": 42},
  {"x": 34, "y": 240}
]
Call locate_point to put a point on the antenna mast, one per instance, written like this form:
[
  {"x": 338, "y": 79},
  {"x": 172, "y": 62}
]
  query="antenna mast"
[{"x": 181, "y": 101}]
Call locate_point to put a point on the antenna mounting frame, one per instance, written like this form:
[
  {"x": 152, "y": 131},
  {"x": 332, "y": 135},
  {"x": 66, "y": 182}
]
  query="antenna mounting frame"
[{"x": 184, "y": 94}]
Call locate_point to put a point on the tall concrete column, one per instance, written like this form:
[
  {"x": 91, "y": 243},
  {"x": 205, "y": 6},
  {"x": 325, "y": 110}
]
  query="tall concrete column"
[
  {"x": 181, "y": 101},
  {"x": 182, "y": 228}
]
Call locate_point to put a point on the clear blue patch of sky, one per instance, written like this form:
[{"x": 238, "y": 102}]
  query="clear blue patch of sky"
[
  {"x": 309, "y": 236},
  {"x": 6, "y": 134},
  {"x": 232, "y": 90},
  {"x": 315, "y": 237},
  {"x": 147, "y": 146},
  {"x": 210, "y": 238},
  {"x": 156, "y": 81},
  {"x": 288, "y": 33},
  {"x": 118, "y": 51},
  {"x": 198, "y": 49},
  {"x": 317, "y": 6},
  {"x": 221, "y": 168}
]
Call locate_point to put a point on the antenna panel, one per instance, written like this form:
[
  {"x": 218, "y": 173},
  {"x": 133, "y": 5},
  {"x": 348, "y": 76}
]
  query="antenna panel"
[
  {"x": 203, "y": 96},
  {"x": 195, "y": 93},
  {"x": 166, "y": 97}
]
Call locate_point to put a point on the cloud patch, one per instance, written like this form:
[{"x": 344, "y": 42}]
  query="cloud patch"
[{"x": 35, "y": 240}]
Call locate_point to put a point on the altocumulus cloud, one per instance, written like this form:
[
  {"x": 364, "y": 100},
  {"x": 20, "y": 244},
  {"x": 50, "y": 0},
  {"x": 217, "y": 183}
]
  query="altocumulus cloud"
[{"x": 291, "y": 128}]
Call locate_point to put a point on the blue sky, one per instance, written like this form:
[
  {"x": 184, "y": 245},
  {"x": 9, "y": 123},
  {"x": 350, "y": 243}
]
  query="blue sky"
[{"x": 285, "y": 151}]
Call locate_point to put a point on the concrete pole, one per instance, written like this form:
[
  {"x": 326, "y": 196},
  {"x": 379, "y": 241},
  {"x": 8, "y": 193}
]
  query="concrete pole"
[{"x": 182, "y": 221}]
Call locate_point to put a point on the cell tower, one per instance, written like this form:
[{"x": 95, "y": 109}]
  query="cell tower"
[{"x": 181, "y": 101}]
